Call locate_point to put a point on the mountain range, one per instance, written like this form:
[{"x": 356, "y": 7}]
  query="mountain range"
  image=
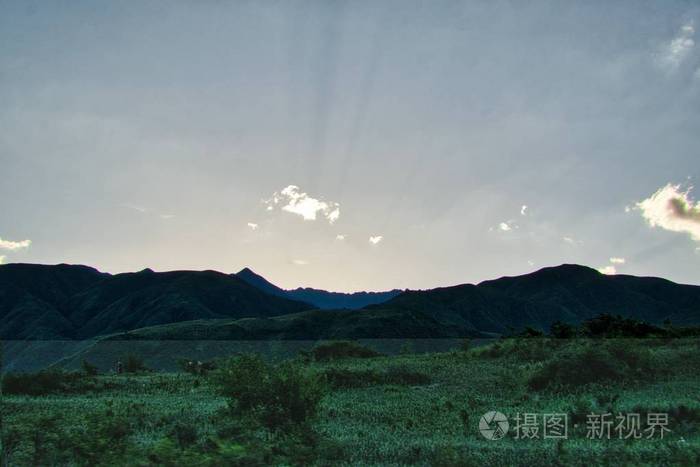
[
  {"x": 78, "y": 302},
  {"x": 321, "y": 299},
  {"x": 42, "y": 302}
]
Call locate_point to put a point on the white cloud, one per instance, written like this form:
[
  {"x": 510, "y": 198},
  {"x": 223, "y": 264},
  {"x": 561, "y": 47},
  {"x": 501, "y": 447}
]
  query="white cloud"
[
  {"x": 294, "y": 201},
  {"x": 376, "y": 239},
  {"x": 569, "y": 240},
  {"x": 140, "y": 209},
  {"x": 253, "y": 225},
  {"x": 300, "y": 262},
  {"x": 340, "y": 237},
  {"x": 674, "y": 53},
  {"x": 13, "y": 246},
  {"x": 166, "y": 216},
  {"x": 504, "y": 226},
  {"x": 672, "y": 209},
  {"x": 614, "y": 260},
  {"x": 2, "y": 259},
  {"x": 609, "y": 270},
  {"x": 523, "y": 210}
]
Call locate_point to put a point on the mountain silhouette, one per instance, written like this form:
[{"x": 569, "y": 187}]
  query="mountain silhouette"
[
  {"x": 78, "y": 302},
  {"x": 321, "y": 299},
  {"x": 568, "y": 293},
  {"x": 45, "y": 302}
]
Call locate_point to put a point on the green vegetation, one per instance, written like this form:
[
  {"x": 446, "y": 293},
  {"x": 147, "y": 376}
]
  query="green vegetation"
[
  {"x": 340, "y": 409},
  {"x": 134, "y": 364},
  {"x": 339, "y": 349}
]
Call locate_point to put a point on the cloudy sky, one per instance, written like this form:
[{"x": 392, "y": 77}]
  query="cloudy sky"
[{"x": 352, "y": 145}]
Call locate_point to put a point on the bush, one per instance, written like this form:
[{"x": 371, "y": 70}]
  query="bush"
[
  {"x": 184, "y": 434},
  {"x": 42, "y": 383},
  {"x": 522, "y": 348},
  {"x": 340, "y": 349},
  {"x": 344, "y": 378},
  {"x": 279, "y": 396},
  {"x": 401, "y": 375},
  {"x": 561, "y": 330},
  {"x": 88, "y": 368},
  {"x": 134, "y": 364},
  {"x": 581, "y": 365},
  {"x": 606, "y": 325}
]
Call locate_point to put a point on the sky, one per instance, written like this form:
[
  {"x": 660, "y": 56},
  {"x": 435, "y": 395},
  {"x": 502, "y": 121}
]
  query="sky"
[{"x": 362, "y": 145}]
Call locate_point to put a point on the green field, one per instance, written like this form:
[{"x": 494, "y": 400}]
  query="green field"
[{"x": 408, "y": 409}]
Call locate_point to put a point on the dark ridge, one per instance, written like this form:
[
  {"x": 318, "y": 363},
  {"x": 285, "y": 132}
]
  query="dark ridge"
[
  {"x": 77, "y": 302},
  {"x": 321, "y": 299}
]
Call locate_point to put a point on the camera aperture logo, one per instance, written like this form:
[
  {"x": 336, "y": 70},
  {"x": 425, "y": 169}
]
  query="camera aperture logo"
[{"x": 493, "y": 425}]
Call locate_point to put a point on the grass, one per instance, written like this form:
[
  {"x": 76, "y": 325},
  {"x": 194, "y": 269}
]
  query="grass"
[{"x": 385, "y": 410}]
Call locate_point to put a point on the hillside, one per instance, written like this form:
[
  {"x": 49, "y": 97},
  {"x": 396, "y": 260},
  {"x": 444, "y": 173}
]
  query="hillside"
[
  {"x": 321, "y": 299},
  {"x": 34, "y": 298},
  {"x": 308, "y": 325},
  {"x": 58, "y": 302},
  {"x": 77, "y": 302},
  {"x": 568, "y": 293}
]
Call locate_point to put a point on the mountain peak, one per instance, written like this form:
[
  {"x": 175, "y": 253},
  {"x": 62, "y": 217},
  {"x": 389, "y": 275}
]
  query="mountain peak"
[{"x": 246, "y": 271}]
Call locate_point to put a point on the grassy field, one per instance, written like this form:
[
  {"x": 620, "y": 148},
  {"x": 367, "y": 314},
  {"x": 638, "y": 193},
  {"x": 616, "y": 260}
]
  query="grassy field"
[{"x": 411, "y": 409}]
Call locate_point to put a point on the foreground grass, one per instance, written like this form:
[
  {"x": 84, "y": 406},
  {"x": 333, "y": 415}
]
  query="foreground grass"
[{"x": 400, "y": 410}]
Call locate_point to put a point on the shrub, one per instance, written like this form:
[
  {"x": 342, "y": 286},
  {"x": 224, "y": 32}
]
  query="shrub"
[
  {"x": 42, "y": 383},
  {"x": 561, "y": 330},
  {"x": 401, "y": 375},
  {"x": 184, "y": 434},
  {"x": 88, "y": 368},
  {"x": 606, "y": 325},
  {"x": 134, "y": 364},
  {"x": 344, "y": 378},
  {"x": 581, "y": 365},
  {"x": 580, "y": 410},
  {"x": 341, "y": 349},
  {"x": 522, "y": 349},
  {"x": 530, "y": 332},
  {"x": 279, "y": 396}
]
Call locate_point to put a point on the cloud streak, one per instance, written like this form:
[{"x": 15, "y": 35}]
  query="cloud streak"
[
  {"x": 291, "y": 199},
  {"x": 674, "y": 53},
  {"x": 672, "y": 209},
  {"x": 14, "y": 246}
]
